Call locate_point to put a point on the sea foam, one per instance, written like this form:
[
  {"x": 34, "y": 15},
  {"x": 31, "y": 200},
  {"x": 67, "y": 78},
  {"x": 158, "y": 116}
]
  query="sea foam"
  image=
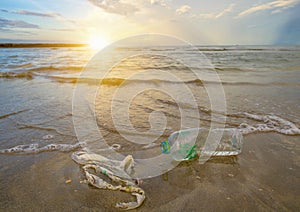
[{"x": 268, "y": 123}]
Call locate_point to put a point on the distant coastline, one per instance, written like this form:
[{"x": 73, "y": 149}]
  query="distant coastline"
[{"x": 40, "y": 45}]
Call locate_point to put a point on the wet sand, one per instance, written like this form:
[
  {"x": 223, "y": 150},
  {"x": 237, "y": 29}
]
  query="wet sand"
[{"x": 264, "y": 177}]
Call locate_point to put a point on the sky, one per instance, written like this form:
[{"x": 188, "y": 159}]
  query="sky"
[{"x": 204, "y": 22}]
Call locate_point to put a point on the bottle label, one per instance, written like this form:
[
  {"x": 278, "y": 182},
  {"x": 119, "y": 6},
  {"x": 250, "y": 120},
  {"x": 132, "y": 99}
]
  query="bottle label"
[{"x": 189, "y": 151}]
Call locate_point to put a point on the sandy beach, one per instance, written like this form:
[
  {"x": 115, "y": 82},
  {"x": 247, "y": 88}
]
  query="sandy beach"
[{"x": 264, "y": 177}]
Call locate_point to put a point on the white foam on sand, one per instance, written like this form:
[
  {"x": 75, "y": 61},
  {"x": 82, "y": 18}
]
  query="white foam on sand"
[
  {"x": 34, "y": 148},
  {"x": 268, "y": 123}
]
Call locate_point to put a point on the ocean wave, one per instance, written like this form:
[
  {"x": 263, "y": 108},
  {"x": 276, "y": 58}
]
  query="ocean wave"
[
  {"x": 231, "y": 69},
  {"x": 29, "y": 67},
  {"x": 115, "y": 81},
  {"x": 13, "y": 113},
  {"x": 8, "y": 75},
  {"x": 25, "y": 65},
  {"x": 254, "y": 83},
  {"x": 22, "y": 71},
  {"x": 56, "y": 68},
  {"x": 35, "y": 148},
  {"x": 209, "y": 48},
  {"x": 162, "y": 68},
  {"x": 198, "y": 82},
  {"x": 118, "y": 81},
  {"x": 13, "y": 56},
  {"x": 174, "y": 67},
  {"x": 248, "y": 48},
  {"x": 266, "y": 123}
]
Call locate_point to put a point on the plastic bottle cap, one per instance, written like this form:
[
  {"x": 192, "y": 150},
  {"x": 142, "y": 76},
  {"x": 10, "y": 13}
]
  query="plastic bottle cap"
[{"x": 165, "y": 147}]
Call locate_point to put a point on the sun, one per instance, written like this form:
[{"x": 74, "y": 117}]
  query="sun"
[{"x": 97, "y": 42}]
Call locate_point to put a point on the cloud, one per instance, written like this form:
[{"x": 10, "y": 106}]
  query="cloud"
[
  {"x": 32, "y": 13},
  {"x": 17, "y": 32},
  {"x": 158, "y": 2},
  {"x": 115, "y": 6},
  {"x": 183, "y": 9},
  {"x": 276, "y": 6},
  {"x": 227, "y": 10},
  {"x": 41, "y": 14},
  {"x": 64, "y": 30},
  {"x": 6, "y": 23},
  {"x": 4, "y": 10}
]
